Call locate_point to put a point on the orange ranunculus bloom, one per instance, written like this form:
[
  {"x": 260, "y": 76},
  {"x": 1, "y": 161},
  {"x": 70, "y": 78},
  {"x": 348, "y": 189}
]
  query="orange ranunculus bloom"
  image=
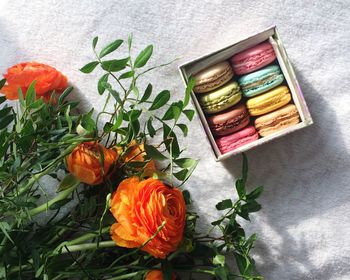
[
  {"x": 157, "y": 275},
  {"x": 140, "y": 208},
  {"x": 137, "y": 153},
  {"x": 23, "y": 74},
  {"x": 84, "y": 162}
]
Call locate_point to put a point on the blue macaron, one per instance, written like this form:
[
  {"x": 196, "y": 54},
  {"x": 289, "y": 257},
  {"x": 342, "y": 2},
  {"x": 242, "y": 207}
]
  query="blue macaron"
[{"x": 261, "y": 81}]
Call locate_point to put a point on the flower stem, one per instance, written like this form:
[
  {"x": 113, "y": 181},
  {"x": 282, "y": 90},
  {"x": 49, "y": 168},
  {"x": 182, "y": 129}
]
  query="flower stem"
[
  {"x": 87, "y": 246},
  {"x": 125, "y": 276},
  {"x": 62, "y": 195},
  {"x": 86, "y": 237}
]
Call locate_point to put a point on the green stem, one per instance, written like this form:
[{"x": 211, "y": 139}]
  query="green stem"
[
  {"x": 62, "y": 195},
  {"x": 46, "y": 171},
  {"x": 88, "y": 246},
  {"x": 125, "y": 276},
  {"x": 87, "y": 236}
]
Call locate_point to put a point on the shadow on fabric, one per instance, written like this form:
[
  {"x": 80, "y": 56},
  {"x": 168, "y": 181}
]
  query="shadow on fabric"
[{"x": 298, "y": 172}]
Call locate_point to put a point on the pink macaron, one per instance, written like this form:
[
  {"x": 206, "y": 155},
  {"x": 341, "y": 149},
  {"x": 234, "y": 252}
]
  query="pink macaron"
[
  {"x": 238, "y": 139},
  {"x": 253, "y": 58}
]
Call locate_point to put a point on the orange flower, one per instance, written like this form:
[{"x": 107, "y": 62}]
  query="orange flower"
[
  {"x": 22, "y": 75},
  {"x": 157, "y": 275},
  {"x": 136, "y": 152},
  {"x": 140, "y": 208},
  {"x": 84, "y": 162}
]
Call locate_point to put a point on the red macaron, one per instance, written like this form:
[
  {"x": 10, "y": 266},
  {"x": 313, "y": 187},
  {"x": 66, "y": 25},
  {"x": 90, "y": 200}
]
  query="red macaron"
[
  {"x": 229, "y": 121},
  {"x": 253, "y": 58}
]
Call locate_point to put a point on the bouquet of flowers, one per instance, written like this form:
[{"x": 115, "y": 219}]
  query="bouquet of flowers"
[{"x": 100, "y": 195}]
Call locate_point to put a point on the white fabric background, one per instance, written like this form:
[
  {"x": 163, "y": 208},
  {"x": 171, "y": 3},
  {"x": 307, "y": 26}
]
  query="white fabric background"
[{"x": 304, "y": 226}]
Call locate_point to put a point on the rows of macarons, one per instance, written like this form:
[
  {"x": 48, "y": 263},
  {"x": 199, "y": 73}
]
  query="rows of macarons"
[{"x": 245, "y": 97}]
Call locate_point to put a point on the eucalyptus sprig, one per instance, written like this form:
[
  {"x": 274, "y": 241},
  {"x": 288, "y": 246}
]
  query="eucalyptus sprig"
[
  {"x": 36, "y": 138},
  {"x": 119, "y": 80}
]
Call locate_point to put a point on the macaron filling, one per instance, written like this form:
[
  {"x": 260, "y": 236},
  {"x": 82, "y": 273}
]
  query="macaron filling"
[
  {"x": 237, "y": 139},
  {"x": 231, "y": 125},
  {"x": 213, "y": 77},
  {"x": 268, "y": 81},
  {"x": 277, "y": 120},
  {"x": 221, "y": 103},
  {"x": 254, "y": 61}
]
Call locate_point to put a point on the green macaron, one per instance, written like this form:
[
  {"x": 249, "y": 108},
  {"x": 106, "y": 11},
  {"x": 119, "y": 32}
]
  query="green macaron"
[{"x": 221, "y": 98}]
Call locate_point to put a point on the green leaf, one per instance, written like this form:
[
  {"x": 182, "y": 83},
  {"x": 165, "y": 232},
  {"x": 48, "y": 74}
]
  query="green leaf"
[
  {"x": 116, "y": 95},
  {"x": 2, "y": 83},
  {"x": 2, "y": 99},
  {"x": 166, "y": 131},
  {"x": 21, "y": 97},
  {"x": 241, "y": 262},
  {"x": 129, "y": 41},
  {"x": 221, "y": 273},
  {"x": 219, "y": 260},
  {"x": 107, "y": 127},
  {"x": 240, "y": 187},
  {"x": 4, "y": 122},
  {"x": 217, "y": 222},
  {"x": 69, "y": 181},
  {"x": 224, "y": 204},
  {"x": 134, "y": 115},
  {"x": 173, "y": 112},
  {"x": 183, "y": 127},
  {"x": 110, "y": 47},
  {"x": 250, "y": 241},
  {"x": 68, "y": 119},
  {"x": 101, "y": 83},
  {"x": 187, "y": 197},
  {"x": 186, "y": 162},
  {"x": 5, "y": 111},
  {"x": 173, "y": 145},
  {"x": 255, "y": 193},
  {"x": 87, "y": 122},
  {"x": 5, "y": 228},
  {"x": 88, "y": 68},
  {"x": 147, "y": 93},
  {"x": 143, "y": 57},
  {"x": 30, "y": 95},
  {"x": 94, "y": 42},
  {"x": 150, "y": 128},
  {"x": 115, "y": 65},
  {"x": 184, "y": 174},
  {"x": 251, "y": 206},
  {"x": 181, "y": 175},
  {"x": 189, "y": 114},
  {"x": 161, "y": 99},
  {"x": 127, "y": 75},
  {"x": 190, "y": 85},
  {"x": 64, "y": 94},
  {"x": 118, "y": 121},
  {"x": 153, "y": 153},
  {"x": 244, "y": 168}
]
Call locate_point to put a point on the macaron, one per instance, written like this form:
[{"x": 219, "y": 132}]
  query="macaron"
[
  {"x": 213, "y": 77},
  {"x": 221, "y": 98},
  {"x": 238, "y": 139},
  {"x": 261, "y": 81},
  {"x": 229, "y": 121},
  {"x": 253, "y": 58},
  {"x": 277, "y": 120},
  {"x": 269, "y": 101}
]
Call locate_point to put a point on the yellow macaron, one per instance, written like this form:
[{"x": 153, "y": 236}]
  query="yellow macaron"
[{"x": 269, "y": 101}]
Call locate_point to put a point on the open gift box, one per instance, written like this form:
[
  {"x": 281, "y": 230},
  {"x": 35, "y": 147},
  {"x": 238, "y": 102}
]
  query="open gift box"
[{"x": 270, "y": 35}]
